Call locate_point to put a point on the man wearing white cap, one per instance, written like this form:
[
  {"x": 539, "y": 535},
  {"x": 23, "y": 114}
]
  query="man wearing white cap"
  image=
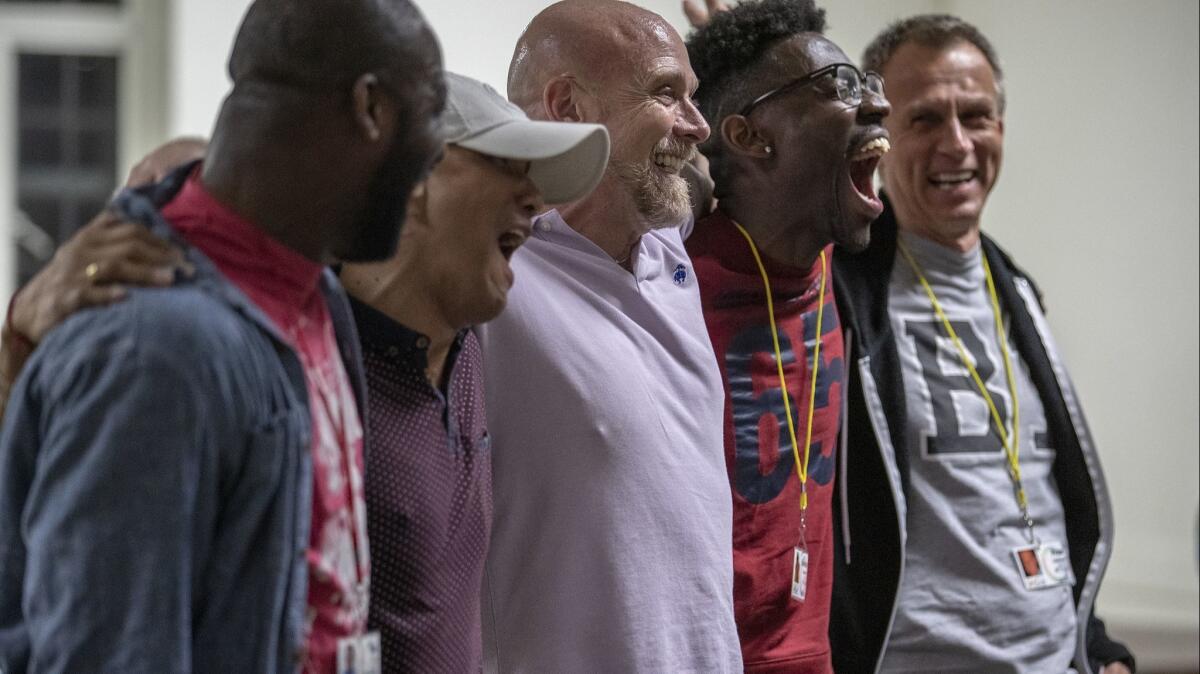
[
  {"x": 428, "y": 474},
  {"x": 428, "y": 459}
]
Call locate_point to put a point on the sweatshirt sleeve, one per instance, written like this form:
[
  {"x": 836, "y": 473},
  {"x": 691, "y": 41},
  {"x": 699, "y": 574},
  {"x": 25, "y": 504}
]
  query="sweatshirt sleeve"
[{"x": 1103, "y": 650}]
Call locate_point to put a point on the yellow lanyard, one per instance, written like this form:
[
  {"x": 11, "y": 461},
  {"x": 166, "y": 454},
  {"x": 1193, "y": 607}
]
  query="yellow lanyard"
[
  {"x": 801, "y": 466},
  {"x": 1009, "y": 441}
]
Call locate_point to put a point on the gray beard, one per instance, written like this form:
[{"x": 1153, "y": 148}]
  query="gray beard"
[{"x": 662, "y": 201}]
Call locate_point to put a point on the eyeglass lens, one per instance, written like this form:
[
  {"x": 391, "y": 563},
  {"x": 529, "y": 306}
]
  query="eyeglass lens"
[{"x": 849, "y": 85}]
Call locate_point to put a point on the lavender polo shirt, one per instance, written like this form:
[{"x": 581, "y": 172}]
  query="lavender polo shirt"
[{"x": 611, "y": 544}]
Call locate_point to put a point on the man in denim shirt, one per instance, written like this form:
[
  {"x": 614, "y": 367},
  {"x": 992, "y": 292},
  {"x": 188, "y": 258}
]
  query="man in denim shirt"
[{"x": 156, "y": 481}]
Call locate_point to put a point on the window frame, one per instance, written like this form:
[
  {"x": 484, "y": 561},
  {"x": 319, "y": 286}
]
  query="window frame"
[{"x": 134, "y": 32}]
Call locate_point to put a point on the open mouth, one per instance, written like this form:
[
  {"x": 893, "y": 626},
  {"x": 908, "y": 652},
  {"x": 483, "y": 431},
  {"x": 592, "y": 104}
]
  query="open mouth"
[
  {"x": 948, "y": 180},
  {"x": 509, "y": 242},
  {"x": 863, "y": 162}
]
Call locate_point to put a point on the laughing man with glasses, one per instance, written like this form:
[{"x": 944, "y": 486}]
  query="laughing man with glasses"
[{"x": 793, "y": 171}]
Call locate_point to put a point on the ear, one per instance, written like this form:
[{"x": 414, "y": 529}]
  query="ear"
[
  {"x": 374, "y": 112},
  {"x": 742, "y": 138},
  {"x": 563, "y": 100}
]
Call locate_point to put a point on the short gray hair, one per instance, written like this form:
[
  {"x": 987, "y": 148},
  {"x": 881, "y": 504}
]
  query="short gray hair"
[{"x": 931, "y": 30}]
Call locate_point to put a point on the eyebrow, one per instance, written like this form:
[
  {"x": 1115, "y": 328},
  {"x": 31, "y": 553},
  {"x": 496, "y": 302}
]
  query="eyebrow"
[
  {"x": 935, "y": 103},
  {"x": 673, "y": 76}
]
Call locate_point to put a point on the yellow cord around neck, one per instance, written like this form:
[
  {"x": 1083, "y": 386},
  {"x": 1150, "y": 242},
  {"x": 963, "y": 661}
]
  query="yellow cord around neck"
[
  {"x": 801, "y": 466},
  {"x": 1010, "y": 440}
]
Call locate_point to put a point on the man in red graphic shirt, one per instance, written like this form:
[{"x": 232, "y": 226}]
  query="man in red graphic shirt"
[{"x": 796, "y": 137}]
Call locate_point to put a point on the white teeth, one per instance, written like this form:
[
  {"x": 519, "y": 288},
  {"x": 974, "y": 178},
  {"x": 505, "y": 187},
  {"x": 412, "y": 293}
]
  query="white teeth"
[
  {"x": 876, "y": 147},
  {"x": 669, "y": 162},
  {"x": 952, "y": 178}
]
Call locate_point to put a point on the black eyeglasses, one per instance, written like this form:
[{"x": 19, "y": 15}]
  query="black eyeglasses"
[{"x": 850, "y": 82}]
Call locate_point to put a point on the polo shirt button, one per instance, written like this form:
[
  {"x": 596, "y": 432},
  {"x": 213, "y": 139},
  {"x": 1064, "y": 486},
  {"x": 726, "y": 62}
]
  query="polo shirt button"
[
  {"x": 544, "y": 226},
  {"x": 393, "y": 351},
  {"x": 422, "y": 342}
]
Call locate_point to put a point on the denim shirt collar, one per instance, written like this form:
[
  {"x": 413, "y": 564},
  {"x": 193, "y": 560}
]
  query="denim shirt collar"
[{"x": 143, "y": 203}]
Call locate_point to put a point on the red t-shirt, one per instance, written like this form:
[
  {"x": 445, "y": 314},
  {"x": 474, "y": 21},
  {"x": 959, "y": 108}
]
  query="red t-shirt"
[
  {"x": 778, "y": 634},
  {"x": 284, "y": 284}
]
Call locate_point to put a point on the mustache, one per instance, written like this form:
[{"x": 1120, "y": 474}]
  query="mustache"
[{"x": 676, "y": 147}]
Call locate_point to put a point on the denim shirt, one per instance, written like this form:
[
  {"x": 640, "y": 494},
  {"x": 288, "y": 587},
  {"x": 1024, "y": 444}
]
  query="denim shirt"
[{"x": 156, "y": 479}]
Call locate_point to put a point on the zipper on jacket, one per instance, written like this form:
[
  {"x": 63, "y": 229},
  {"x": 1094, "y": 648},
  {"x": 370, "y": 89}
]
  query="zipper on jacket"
[
  {"x": 883, "y": 440},
  {"x": 844, "y": 447}
]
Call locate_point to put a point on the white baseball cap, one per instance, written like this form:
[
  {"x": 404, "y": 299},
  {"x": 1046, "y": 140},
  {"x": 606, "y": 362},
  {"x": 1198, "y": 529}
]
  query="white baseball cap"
[{"x": 567, "y": 159}]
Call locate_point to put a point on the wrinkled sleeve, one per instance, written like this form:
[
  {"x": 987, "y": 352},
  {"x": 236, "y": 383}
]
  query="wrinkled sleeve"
[{"x": 101, "y": 459}]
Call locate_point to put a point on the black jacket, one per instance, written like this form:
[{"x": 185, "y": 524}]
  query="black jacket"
[{"x": 874, "y": 468}]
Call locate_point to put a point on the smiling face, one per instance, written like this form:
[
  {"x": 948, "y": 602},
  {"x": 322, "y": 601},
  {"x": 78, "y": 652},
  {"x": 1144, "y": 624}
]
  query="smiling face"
[
  {"x": 654, "y": 126},
  {"x": 478, "y": 210},
  {"x": 824, "y": 150},
  {"x": 947, "y": 139}
]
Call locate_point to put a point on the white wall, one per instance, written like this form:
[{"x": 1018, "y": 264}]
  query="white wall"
[
  {"x": 477, "y": 39},
  {"x": 201, "y": 34},
  {"x": 1098, "y": 200}
]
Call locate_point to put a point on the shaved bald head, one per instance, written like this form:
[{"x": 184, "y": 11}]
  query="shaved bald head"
[
  {"x": 594, "y": 41},
  {"x": 616, "y": 64}
]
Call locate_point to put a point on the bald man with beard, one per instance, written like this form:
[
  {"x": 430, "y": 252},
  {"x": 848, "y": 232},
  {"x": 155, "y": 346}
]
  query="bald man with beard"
[{"x": 611, "y": 545}]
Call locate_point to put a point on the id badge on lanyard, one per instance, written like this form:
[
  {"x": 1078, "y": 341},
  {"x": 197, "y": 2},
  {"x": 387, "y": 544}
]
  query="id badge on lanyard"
[
  {"x": 800, "y": 573},
  {"x": 1043, "y": 565}
]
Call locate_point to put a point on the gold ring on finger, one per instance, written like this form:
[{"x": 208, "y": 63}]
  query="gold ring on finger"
[{"x": 91, "y": 270}]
